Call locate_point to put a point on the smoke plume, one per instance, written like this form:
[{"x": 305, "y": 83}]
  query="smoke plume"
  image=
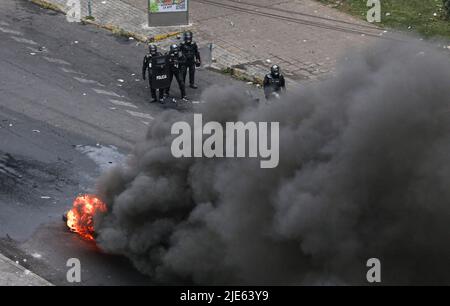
[{"x": 364, "y": 173}]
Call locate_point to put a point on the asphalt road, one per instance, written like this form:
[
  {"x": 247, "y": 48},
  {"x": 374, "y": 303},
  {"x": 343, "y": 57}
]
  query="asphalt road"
[{"x": 72, "y": 104}]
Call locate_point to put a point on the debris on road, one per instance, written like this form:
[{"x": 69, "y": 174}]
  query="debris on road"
[{"x": 36, "y": 255}]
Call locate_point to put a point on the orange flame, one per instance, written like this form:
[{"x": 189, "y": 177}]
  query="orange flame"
[{"x": 80, "y": 217}]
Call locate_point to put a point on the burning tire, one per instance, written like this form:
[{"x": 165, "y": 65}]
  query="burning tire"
[{"x": 80, "y": 219}]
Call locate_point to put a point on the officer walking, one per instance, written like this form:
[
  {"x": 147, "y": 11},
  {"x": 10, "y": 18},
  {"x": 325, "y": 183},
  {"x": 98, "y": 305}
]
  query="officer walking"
[
  {"x": 177, "y": 63},
  {"x": 274, "y": 83},
  {"x": 190, "y": 50},
  {"x": 147, "y": 65},
  {"x": 447, "y": 8}
]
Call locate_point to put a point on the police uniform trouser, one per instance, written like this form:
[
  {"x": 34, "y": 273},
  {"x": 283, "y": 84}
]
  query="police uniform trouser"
[
  {"x": 269, "y": 91},
  {"x": 153, "y": 90},
  {"x": 178, "y": 77},
  {"x": 191, "y": 67},
  {"x": 161, "y": 94}
]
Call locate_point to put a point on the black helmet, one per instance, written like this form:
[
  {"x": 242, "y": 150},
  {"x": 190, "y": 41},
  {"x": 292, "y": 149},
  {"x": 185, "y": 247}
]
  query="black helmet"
[
  {"x": 188, "y": 36},
  {"x": 275, "y": 70},
  {"x": 152, "y": 49},
  {"x": 174, "y": 48}
]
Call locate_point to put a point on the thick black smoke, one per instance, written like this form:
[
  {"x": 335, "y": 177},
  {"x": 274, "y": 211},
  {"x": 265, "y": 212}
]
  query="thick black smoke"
[{"x": 364, "y": 172}]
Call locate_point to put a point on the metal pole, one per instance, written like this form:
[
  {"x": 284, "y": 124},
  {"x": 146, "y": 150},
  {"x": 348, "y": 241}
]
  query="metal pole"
[{"x": 89, "y": 8}]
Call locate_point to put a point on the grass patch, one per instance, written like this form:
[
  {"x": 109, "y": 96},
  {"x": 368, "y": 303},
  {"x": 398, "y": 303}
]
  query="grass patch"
[
  {"x": 47, "y": 5},
  {"x": 226, "y": 70},
  {"x": 240, "y": 75},
  {"x": 426, "y": 17}
]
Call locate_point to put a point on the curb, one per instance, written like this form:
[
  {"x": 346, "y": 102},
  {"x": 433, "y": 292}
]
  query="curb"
[
  {"x": 237, "y": 73},
  {"x": 161, "y": 37},
  {"x": 241, "y": 74},
  {"x": 26, "y": 277},
  {"x": 115, "y": 29},
  {"x": 48, "y": 5}
]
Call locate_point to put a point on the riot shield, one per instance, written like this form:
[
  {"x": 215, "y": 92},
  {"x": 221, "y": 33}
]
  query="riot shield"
[{"x": 160, "y": 76}]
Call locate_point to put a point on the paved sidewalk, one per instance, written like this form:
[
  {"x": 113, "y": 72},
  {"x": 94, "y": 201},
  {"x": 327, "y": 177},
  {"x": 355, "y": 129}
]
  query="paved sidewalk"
[
  {"x": 12, "y": 274},
  {"x": 303, "y": 36}
]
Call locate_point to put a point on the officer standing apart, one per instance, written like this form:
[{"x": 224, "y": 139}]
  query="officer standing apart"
[
  {"x": 147, "y": 65},
  {"x": 447, "y": 8},
  {"x": 190, "y": 51},
  {"x": 274, "y": 83},
  {"x": 177, "y": 62}
]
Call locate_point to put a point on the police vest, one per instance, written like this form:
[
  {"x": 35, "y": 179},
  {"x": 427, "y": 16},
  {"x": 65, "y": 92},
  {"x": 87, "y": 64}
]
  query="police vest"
[
  {"x": 275, "y": 83},
  {"x": 189, "y": 51}
]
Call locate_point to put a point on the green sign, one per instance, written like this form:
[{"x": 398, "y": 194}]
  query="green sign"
[{"x": 168, "y": 6}]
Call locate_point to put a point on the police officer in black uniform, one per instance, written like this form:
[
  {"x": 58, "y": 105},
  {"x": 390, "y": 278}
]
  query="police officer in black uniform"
[
  {"x": 190, "y": 50},
  {"x": 274, "y": 83},
  {"x": 177, "y": 63},
  {"x": 447, "y": 8},
  {"x": 147, "y": 65}
]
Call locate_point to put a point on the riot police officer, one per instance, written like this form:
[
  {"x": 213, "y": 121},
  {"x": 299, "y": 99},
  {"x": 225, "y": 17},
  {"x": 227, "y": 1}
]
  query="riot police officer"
[
  {"x": 177, "y": 63},
  {"x": 447, "y": 8},
  {"x": 190, "y": 50},
  {"x": 147, "y": 65},
  {"x": 274, "y": 83}
]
